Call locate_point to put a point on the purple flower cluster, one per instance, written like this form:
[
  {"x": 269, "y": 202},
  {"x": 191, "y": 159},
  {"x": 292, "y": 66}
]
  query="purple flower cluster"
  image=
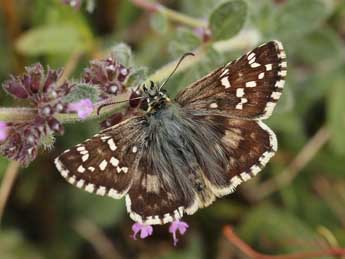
[
  {"x": 40, "y": 88},
  {"x": 147, "y": 230},
  {"x": 108, "y": 75}
]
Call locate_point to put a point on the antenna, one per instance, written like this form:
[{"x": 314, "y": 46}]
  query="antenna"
[
  {"x": 107, "y": 104},
  {"x": 177, "y": 65}
]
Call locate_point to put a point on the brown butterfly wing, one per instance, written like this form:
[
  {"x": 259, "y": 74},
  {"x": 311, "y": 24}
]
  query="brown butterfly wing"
[{"x": 248, "y": 87}]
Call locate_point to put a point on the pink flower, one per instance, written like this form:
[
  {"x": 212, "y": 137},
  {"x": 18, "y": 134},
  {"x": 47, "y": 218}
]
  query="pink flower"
[
  {"x": 145, "y": 230},
  {"x": 83, "y": 107},
  {"x": 175, "y": 226},
  {"x": 3, "y": 130}
]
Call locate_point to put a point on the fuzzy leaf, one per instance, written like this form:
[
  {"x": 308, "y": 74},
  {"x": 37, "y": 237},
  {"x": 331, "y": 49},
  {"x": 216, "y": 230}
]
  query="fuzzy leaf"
[
  {"x": 298, "y": 17},
  {"x": 82, "y": 91},
  {"x": 123, "y": 54},
  {"x": 185, "y": 41},
  {"x": 159, "y": 23},
  {"x": 228, "y": 19}
]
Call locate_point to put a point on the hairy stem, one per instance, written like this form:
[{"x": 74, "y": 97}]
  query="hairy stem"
[
  {"x": 170, "y": 14},
  {"x": 182, "y": 18}
]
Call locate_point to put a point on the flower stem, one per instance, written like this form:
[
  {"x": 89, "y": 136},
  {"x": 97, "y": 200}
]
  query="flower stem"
[{"x": 16, "y": 114}]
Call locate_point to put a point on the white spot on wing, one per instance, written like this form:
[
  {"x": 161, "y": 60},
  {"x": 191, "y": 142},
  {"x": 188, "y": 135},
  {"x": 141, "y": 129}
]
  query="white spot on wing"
[
  {"x": 214, "y": 105},
  {"x": 280, "y": 84},
  {"x": 268, "y": 67},
  {"x": 282, "y": 73},
  {"x": 276, "y": 95},
  {"x": 254, "y": 65},
  {"x": 245, "y": 177},
  {"x": 103, "y": 165},
  {"x": 224, "y": 72},
  {"x": 251, "y": 84},
  {"x": 111, "y": 144},
  {"x": 85, "y": 157},
  {"x": 114, "y": 162},
  {"x": 251, "y": 55},
  {"x": 81, "y": 169},
  {"x": 225, "y": 82},
  {"x": 90, "y": 187},
  {"x": 101, "y": 190},
  {"x": 81, "y": 148},
  {"x": 239, "y": 92},
  {"x": 80, "y": 183}
]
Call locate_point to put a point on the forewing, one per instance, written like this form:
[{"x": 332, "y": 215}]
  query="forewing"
[
  {"x": 105, "y": 164},
  {"x": 248, "y": 87}
]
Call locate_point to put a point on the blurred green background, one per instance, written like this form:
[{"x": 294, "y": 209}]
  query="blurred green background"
[{"x": 297, "y": 203}]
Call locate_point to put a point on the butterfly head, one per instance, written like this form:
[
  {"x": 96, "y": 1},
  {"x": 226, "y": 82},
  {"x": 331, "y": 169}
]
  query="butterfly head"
[{"x": 155, "y": 97}]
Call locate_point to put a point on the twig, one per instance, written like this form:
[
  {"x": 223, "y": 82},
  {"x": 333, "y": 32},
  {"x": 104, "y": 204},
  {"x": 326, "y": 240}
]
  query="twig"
[
  {"x": 251, "y": 253},
  {"x": 171, "y": 14},
  {"x": 93, "y": 234},
  {"x": 182, "y": 18},
  {"x": 148, "y": 6},
  {"x": 330, "y": 194},
  {"x": 301, "y": 160},
  {"x": 7, "y": 184},
  {"x": 70, "y": 66}
]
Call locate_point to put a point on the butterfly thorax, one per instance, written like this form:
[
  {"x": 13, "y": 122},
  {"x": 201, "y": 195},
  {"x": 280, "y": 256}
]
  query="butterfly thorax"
[{"x": 155, "y": 97}]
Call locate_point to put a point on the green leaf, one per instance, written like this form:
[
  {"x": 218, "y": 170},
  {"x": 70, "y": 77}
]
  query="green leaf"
[
  {"x": 52, "y": 39},
  {"x": 82, "y": 91},
  {"x": 184, "y": 41},
  {"x": 123, "y": 54},
  {"x": 336, "y": 115},
  {"x": 159, "y": 23},
  {"x": 228, "y": 19},
  {"x": 322, "y": 48},
  {"x": 199, "y": 8},
  {"x": 298, "y": 17}
]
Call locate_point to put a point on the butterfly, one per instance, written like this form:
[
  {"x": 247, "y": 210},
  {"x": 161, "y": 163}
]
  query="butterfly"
[{"x": 178, "y": 155}]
